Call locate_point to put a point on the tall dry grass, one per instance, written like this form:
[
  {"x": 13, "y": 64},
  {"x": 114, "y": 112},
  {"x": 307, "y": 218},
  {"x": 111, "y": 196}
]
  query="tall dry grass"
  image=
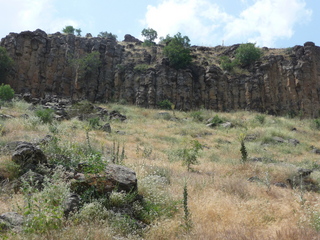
[{"x": 222, "y": 202}]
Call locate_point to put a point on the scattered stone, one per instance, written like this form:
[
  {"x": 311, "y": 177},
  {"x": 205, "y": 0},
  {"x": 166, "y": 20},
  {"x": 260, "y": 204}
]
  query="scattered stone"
[
  {"x": 33, "y": 179},
  {"x": 250, "y": 137},
  {"x": 72, "y": 204},
  {"x": 116, "y": 115},
  {"x": 120, "y": 132},
  {"x": 304, "y": 172},
  {"x": 106, "y": 128},
  {"x": 226, "y": 125},
  {"x": 294, "y": 142},
  {"x": 280, "y": 184},
  {"x": 254, "y": 179},
  {"x": 11, "y": 221},
  {"x": 278, "y": 139},
  {"x": 5, "y": 117}
]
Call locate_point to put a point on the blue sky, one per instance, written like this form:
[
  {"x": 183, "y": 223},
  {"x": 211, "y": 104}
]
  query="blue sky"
[{"x": 271, "y": 23}]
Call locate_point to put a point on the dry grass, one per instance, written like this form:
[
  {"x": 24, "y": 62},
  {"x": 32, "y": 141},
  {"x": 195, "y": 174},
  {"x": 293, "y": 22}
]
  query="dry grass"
[{"x": 222, "y": 202}]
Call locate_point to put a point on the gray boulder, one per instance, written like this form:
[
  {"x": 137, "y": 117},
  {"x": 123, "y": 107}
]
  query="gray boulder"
[
  {"x": 28, "y": 156},
  {"x": 11, "y": 221}
]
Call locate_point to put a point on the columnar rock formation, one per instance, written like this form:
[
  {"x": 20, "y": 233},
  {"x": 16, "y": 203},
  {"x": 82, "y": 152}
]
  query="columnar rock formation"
[{"x": 281, "y": 83}]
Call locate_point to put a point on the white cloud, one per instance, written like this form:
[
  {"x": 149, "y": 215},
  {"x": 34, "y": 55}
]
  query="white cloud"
[
  {"x": 267, "y": 20},
  {"x": 198, "y": 19},
  {"x": 204, "y": 21},
  {"x": 22, "y": 15}
]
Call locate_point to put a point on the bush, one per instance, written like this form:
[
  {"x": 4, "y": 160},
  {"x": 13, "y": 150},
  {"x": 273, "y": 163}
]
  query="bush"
[
  {"x": 6, "y": 92},
  {"x": 142, "y": 68},
  {"x": 226, "y": 63},
  {"x": 165, "y": 104},
  {"x": 247, "y": 54},
  {"x": 45, "y": 115},
  {"x": 177, "y": 50},
  {"x": 216, "y": 120}
]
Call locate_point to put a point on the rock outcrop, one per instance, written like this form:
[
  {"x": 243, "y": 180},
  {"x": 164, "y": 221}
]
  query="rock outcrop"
[{"x": 283, "y": 82}]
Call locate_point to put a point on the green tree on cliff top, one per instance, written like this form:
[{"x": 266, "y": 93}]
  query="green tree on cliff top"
[{"x": 178, "y": 50}]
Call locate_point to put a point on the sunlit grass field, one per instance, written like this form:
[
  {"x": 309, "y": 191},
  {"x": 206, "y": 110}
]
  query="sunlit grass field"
[{"x": 222, "y": 202}]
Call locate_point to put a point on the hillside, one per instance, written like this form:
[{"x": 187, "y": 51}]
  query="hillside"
[
  {"x": 284, "y": 81},
  {"x": 272, "y": 193}
]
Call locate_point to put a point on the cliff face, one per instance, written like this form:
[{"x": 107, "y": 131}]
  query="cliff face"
[{"x": 282, "y": 82}]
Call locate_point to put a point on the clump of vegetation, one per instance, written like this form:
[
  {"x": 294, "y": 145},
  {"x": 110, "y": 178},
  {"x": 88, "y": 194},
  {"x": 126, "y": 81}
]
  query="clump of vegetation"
[
  {"x": 70, "y": 30},
  {"x": 247, "y": 54},
  {"x": 141, "y": 68},
  {"x": 227, "y": 64},
  {"x": 165, "y": 104},
  {"x": 6, "y": 92},
  {"x": 45, "y": 115},
  {"x": 215, "y": 121},
  {"x": 177, "y": 49},
  {"x": 106, "y": 34}
]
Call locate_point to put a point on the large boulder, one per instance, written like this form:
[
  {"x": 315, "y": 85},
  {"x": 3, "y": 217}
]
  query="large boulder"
[
  {"x": 28, "y": 156},
  {"x": 114, "y": 178}
]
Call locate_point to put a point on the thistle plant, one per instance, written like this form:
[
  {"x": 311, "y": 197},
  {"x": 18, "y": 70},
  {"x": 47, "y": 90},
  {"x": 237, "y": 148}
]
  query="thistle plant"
[
  {"x": 187, "y": 215},
  {"x": 243, "y": 150}
]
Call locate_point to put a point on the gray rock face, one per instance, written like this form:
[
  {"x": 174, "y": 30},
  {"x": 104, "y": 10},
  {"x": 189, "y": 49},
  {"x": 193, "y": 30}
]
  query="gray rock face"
[{"x": 278, "y": 84}]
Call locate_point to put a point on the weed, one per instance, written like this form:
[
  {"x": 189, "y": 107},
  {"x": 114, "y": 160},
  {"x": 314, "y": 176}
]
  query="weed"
[
  {"x": 43, "y": 210},
  {"x": 216, "y": 120},
  {"x": 116, "y": 156},
  {"x": 261, "y": 118},
  {"x": 197, "y": 116},
  {"x": 187, "y": 215},
  {"x": 243, "y": 150}
]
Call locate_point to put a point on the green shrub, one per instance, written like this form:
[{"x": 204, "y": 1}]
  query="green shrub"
[
  {"x": 6, "y": 92},
  {"x": 44, "y": 211},
  {"x": 316, "y": 123},
  {"x": 197, "y": 116},
  {"x": 45, "y": 115},
  {"x": 165, "y": 104},
  {"x": 215, "y": 121},
  {"x": 141, "y": 68},
  {"x": 260, "y": 118},
  {"x": 227, "y": 64},
  {"x": 248, "y": 53}
]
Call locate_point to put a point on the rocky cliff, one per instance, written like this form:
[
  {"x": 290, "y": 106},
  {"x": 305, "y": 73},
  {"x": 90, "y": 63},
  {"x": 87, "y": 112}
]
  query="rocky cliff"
[{"x": 284, "y": 81}]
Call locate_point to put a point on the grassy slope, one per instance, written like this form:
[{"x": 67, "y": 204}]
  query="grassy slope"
[{"x": 222, "y": 203}]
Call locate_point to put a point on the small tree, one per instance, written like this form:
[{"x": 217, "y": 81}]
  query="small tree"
[
  {"x": 69, "y": 30},
  {"x": 190, "y": 155},
  {"x": 150, "y": 35},
  {"x": 177, "y": 50},
  {"x": 248, "y": 53},
  {"x": 5, "y": 63},
  {"x": 78, "y": 31},
  {"x": 6, "y": 92},
  {"x": 107, "y": 35}
]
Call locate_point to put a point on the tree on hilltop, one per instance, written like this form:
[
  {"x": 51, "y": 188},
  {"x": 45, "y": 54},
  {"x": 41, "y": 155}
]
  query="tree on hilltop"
[{"x": 177, "y": 49}]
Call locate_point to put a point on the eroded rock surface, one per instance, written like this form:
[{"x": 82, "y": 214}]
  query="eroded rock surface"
[{"x": 277, "y": 84}]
